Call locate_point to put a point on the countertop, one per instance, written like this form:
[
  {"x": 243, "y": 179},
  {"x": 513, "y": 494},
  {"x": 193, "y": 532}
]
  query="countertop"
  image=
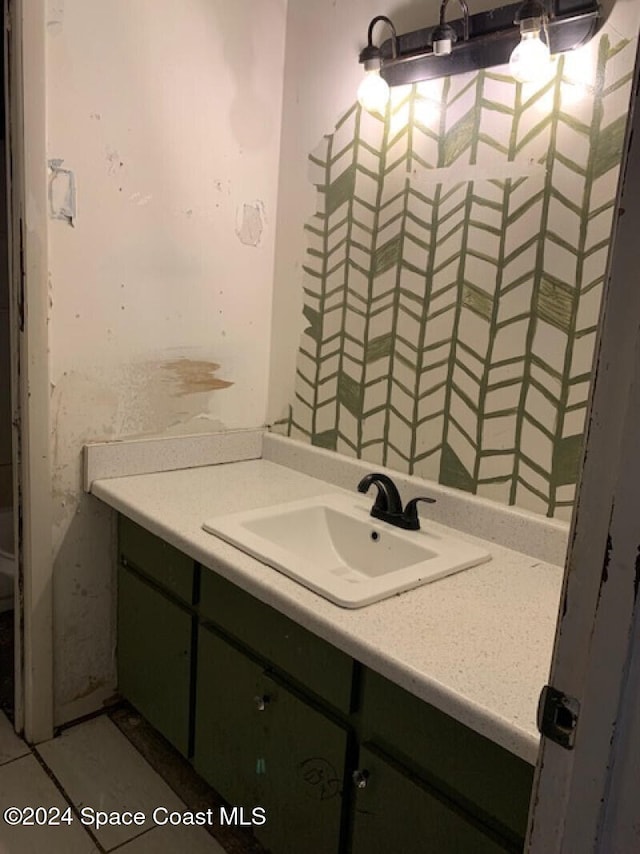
[{"x": 476, "y": 645}]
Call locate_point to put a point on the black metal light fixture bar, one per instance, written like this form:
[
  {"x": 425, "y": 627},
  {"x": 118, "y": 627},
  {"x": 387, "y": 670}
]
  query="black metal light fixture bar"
[{"x": 483, "y": 40}]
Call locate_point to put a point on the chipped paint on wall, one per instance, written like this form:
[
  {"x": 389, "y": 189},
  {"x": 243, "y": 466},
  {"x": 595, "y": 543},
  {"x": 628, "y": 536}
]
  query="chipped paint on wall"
[
  {"x": 194, "y": 376},
  {"x": 134, "y": 400},
  {"x": 250, "y": 223},
  {"x": 146, "y": 280},
  {"x": 140, "y": 398},
  {"x": 114, "y": 161},
  {"x": 55, "y": 17},
  {"x": 154, "y": 396},
  {"x": 139, "y": 199},
  {"x": 62, "y": 192}
]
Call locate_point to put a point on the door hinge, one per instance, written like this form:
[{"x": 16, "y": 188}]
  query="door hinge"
[{"x": 558, "y": 716}]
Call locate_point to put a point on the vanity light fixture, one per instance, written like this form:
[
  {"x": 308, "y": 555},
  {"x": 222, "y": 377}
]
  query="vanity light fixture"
[
  {"x": 373, "y": 92},
  {"x": 531, "y": 57},
  {"x": 508, "y": 34},
  {"x": 444, "y": 36}
]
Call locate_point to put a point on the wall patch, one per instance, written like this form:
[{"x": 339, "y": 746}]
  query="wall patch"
[
  {"x": 62, "y": 192},
  {"x": 250, "y": 223}
]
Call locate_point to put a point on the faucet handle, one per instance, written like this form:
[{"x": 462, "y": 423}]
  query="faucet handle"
[{"x": 411, "y": 512}]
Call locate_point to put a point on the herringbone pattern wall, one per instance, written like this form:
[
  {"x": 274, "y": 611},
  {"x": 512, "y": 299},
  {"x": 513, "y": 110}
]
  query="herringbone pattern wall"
[{"x": 453, "y": 278}]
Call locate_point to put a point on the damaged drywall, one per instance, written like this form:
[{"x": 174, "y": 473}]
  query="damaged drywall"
[
  {"x": 160, "y": 315},
  {"x": 141, "y": 397},
  {"x": 250, "y": 223},
  {"x": 62, "y": 192},
  {"x": 144, "y": 397},
  {"x": 114, "y": 161},
  {"x": 192, "y": 376},
  {"x": 55, "y": 17},
  {"x": 147, "y": 398}
]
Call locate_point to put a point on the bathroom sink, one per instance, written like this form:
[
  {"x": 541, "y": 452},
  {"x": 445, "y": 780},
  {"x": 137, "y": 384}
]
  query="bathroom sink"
[{"x": 333, "y": 546}]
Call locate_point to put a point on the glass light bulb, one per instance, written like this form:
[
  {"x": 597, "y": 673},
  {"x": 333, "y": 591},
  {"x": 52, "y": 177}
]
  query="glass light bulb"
[
  {"x": 373, "y": 93},
  {"x": 530, "y": 59}
]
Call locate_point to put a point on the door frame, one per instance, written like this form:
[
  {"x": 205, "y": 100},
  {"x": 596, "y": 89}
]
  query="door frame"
[
  {"x": 25, "y": 94},
  {"x": 574, "y": 801}
]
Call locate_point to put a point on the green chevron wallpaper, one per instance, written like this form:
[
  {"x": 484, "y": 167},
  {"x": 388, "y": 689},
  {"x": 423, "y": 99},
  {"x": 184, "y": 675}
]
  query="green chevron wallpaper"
[{"x": 453, "y": 278}]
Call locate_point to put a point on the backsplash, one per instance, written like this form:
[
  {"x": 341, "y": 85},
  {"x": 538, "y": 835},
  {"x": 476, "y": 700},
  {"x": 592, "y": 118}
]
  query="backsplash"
[{"x": 454, "y": 274}]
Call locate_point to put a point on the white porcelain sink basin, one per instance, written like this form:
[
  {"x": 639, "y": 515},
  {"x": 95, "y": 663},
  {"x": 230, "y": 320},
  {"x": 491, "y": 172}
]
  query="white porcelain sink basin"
[{"x": 333, "y": 546}]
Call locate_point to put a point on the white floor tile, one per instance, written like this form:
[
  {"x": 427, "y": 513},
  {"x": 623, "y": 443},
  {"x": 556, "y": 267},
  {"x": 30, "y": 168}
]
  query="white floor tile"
[
  {"x": 10, "y": 745},
  {"x": 99, "y": 769},
  {"x": 23, "y": 783},
  {"x": 169, "y": 840}
]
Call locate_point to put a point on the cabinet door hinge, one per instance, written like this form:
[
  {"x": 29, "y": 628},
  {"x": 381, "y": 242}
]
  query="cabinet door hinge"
[{"x": 558, "y": 716}]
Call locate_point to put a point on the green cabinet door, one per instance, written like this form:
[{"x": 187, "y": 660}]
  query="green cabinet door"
[
  {"x": 154, "y": 657},
  {"x": 484, "y": 778},
  {"x": 151, "y": 556},
  {"x": 229, "y": 728},
  {"x": 259, "y": 745},
  {"x": 395, "y": 814}
]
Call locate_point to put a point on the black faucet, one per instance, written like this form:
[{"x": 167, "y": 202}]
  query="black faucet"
[
  {"x": 388, "y": 505},
  {"x": 388, "y": 502}
]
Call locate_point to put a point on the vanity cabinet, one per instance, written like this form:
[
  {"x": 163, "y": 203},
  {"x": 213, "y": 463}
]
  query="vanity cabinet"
[
  {"x": 342, "y": 760},
  {"x": 259, "y": 744},
  {"x": 155, "y": 631}
]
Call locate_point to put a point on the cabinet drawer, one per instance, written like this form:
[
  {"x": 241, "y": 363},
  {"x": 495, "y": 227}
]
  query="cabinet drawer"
[
  {"x": 299, "y": 653},
  {"x": 486, "y": 779},
  {"x": 395, "y": 813},
  {"x": 142, "y": 550}
]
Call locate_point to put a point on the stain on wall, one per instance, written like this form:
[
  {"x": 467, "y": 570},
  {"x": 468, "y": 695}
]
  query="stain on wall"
[
  {"x": 194, "y": 377},
  {"x": 153, "y": 289},
  {"x": 141, "y": 398}
]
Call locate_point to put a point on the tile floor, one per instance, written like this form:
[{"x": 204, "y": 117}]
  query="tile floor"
[{"x": 90, "y": 766}]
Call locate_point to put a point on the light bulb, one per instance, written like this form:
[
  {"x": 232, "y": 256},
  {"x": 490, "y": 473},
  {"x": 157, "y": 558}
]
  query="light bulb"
[
  {"x": 373, "y": 92},
  {"x": 530, "y": 58}
]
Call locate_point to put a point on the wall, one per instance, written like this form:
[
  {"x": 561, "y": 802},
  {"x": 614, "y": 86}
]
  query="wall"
[
  {"x": 6, "y": 485},
  {"x": 163, "y": 139},
  {"x": 454, "y": 266}
]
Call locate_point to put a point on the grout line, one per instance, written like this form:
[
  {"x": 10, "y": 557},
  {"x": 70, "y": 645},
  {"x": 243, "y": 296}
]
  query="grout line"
[
  {"x": 15, "y": 759},
  {"x": 90, "y": 716},
  {"x": 32, "y": 750},
  {"x": 61, "y": 789},
  {"x": 133, "y": 839}
]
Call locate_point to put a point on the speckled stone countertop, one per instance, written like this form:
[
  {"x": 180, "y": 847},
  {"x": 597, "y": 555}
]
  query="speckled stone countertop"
[{"x": 476, "y": 645}]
